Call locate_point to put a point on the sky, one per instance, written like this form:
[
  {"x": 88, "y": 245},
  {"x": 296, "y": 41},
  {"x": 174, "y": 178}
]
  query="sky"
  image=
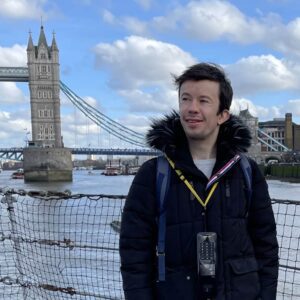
[{"x": 120, "y": 57}]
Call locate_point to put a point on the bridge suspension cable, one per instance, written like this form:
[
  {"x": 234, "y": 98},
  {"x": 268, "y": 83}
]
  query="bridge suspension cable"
[
  {"x": 277, "y": 143},
  {"x": 108, "y": 124}
]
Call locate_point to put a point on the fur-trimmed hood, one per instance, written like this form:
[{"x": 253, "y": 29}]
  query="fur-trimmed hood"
[{"x": 167, "y": 135}]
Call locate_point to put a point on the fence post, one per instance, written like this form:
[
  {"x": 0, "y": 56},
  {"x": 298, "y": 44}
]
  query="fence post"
[{"x": 9, "y": 199}]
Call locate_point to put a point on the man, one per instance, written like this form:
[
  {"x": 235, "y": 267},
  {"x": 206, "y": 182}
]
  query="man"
[{"x": 203, "y": 142}]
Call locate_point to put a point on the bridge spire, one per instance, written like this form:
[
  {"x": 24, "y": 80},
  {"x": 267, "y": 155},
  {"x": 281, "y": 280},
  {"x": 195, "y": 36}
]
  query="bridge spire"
[
  {"x": 42, "y": 38},
  {"x": 54, "y": 45},
  {"x": 30, "y": 42}
]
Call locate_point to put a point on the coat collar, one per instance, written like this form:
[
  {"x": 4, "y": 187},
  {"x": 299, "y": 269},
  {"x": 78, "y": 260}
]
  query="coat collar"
[{"x": 167, "y": 135}]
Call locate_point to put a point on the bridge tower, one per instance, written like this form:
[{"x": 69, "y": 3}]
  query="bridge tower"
[
  {"x": 45, "y": 158},
  {"x": 252, "y": 122},
  {"x": 43, "y": 70}
]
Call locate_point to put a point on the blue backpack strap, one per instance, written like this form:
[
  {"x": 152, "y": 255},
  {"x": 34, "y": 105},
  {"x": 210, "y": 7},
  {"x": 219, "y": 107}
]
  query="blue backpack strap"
[
  {"x": 162, "y": 186},
  {"x": 247, "y": 171}
]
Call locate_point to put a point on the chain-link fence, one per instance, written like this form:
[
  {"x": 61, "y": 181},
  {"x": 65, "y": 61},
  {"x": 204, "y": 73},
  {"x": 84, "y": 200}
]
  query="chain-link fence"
[{"x": 62, "y": 246}]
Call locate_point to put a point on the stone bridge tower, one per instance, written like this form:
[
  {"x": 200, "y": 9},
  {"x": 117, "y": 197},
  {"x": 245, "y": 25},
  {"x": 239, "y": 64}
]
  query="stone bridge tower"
[
  {"x": 43, "y": 69},
  {"x": 45, "y": 158},
  {"x": 252, "y": 122}
]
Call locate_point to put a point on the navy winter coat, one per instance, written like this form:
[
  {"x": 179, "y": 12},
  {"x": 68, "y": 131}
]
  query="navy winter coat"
[{"x": 247, "y": 249}]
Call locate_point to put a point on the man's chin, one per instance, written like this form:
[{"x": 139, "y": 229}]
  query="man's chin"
[{"x": 196, "y": 137}]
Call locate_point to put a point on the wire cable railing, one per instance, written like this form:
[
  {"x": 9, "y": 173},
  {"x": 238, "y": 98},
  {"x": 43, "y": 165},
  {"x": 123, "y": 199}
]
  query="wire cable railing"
[{"x": 58, "y": 245}]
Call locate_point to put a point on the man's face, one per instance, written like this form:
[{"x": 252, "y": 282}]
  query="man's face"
[{"x": 198, "y": 108}]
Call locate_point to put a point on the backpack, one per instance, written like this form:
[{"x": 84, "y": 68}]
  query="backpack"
[{"x": 162, "y": 185}]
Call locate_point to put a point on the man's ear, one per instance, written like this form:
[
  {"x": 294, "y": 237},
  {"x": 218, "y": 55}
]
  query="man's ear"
[{"x": 223, "y": 116}]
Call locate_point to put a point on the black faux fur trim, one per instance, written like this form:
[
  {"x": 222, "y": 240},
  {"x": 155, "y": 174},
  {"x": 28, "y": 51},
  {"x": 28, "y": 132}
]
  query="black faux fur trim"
[{"x": 167, "y": 134}]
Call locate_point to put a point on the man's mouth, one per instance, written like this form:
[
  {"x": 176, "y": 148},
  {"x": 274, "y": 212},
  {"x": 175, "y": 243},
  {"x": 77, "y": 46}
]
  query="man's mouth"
[{"x": 193, "y": 121}]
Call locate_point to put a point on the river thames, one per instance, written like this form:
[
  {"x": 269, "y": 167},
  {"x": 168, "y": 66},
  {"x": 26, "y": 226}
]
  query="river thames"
[{"x": 92, "y": 182}]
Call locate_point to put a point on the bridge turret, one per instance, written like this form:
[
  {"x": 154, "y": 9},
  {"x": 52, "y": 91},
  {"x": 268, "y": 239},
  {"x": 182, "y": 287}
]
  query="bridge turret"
[
  {"x": 54, "y": 45},
  {"x": 30, "y": 46},
  {"x": 30, "y": 49},
  {"x": 54, "y": 57},
  {"x": 42, "y": 38}
]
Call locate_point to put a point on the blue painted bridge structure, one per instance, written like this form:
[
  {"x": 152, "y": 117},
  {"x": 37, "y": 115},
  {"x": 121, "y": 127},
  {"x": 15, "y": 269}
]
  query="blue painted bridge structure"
[{"x": 17, "y": 153}]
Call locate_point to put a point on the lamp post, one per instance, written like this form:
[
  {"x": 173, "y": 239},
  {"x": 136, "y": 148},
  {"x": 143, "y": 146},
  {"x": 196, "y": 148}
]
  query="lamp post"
[{"x": 26, "y": 137}]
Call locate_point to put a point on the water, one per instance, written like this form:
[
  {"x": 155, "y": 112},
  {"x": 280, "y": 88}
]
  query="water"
[
  {"x": 92, "y": 182},
  {"x": 84, "y": 182}
]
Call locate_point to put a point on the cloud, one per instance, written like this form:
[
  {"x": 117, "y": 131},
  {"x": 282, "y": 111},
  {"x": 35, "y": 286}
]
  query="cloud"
[
  {"x": 12, "y": 128},
  {"x": 23, "y": 9},
  {"x": 254, "y": 74},
  {"x": 108, "y": 17},
  {"x": 285, "y": 38},
  {"x": 14, "y": 56},
  {"x": 10, "y": 93},
  {"x": 161, "y": 100},
  {"x": 140, "y": 70},
  {"x": 261, "y": 112},
  {"x": 140, "y": 62},
  {"x": 132, "y": 24},
  {"x": 135, "y": 122},
  {"x": 264, "y": 113},
  {"x": 145, "y": 4},
  {"x": 293, "y": 106},
  {"x": 91, "y": 101},
  {"x": 215, "y": 20},
  {"x": 210, "y": 20}
]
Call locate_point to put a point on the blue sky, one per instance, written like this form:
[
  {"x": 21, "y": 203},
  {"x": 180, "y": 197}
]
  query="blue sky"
[{"x": 119, "y": 56}]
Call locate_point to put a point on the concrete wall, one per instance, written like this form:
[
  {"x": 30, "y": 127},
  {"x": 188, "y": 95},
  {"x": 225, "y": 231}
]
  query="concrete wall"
[{"x": 47, "y": 164}]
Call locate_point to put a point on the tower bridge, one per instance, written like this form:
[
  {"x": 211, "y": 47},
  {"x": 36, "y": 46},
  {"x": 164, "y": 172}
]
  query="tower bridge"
[{"x": 43, "y": 77}]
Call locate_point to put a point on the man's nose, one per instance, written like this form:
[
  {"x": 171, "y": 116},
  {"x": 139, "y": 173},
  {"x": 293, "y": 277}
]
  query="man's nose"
[{"x": 194, "y": 105}]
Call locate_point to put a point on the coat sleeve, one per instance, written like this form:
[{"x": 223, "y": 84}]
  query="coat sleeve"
[
  {"x": 138, "y": 236},
  {"x": 262, "y": 228}
]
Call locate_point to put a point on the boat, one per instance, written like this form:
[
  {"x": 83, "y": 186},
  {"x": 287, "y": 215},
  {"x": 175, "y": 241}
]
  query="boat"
[
  {"x": 19, "y": 174},
  {"x": 117, "y": 169},
  {"x": 112, "y": 170}
]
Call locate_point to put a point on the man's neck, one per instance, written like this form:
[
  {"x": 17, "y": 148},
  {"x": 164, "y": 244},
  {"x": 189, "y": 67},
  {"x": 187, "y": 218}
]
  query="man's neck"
[{"x": 202, "y": 150}]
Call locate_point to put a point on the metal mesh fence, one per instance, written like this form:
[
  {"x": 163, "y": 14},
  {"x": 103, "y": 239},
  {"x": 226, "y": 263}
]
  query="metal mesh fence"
[
  {"x": 287, "y": 215},
  {"x": 63, "y": 246}
]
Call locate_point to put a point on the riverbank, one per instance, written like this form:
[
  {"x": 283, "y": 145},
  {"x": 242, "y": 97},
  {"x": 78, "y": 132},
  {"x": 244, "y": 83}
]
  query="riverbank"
[
  {"x": 283, "y": 172},
  {"x": 283, "y": 179}
]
